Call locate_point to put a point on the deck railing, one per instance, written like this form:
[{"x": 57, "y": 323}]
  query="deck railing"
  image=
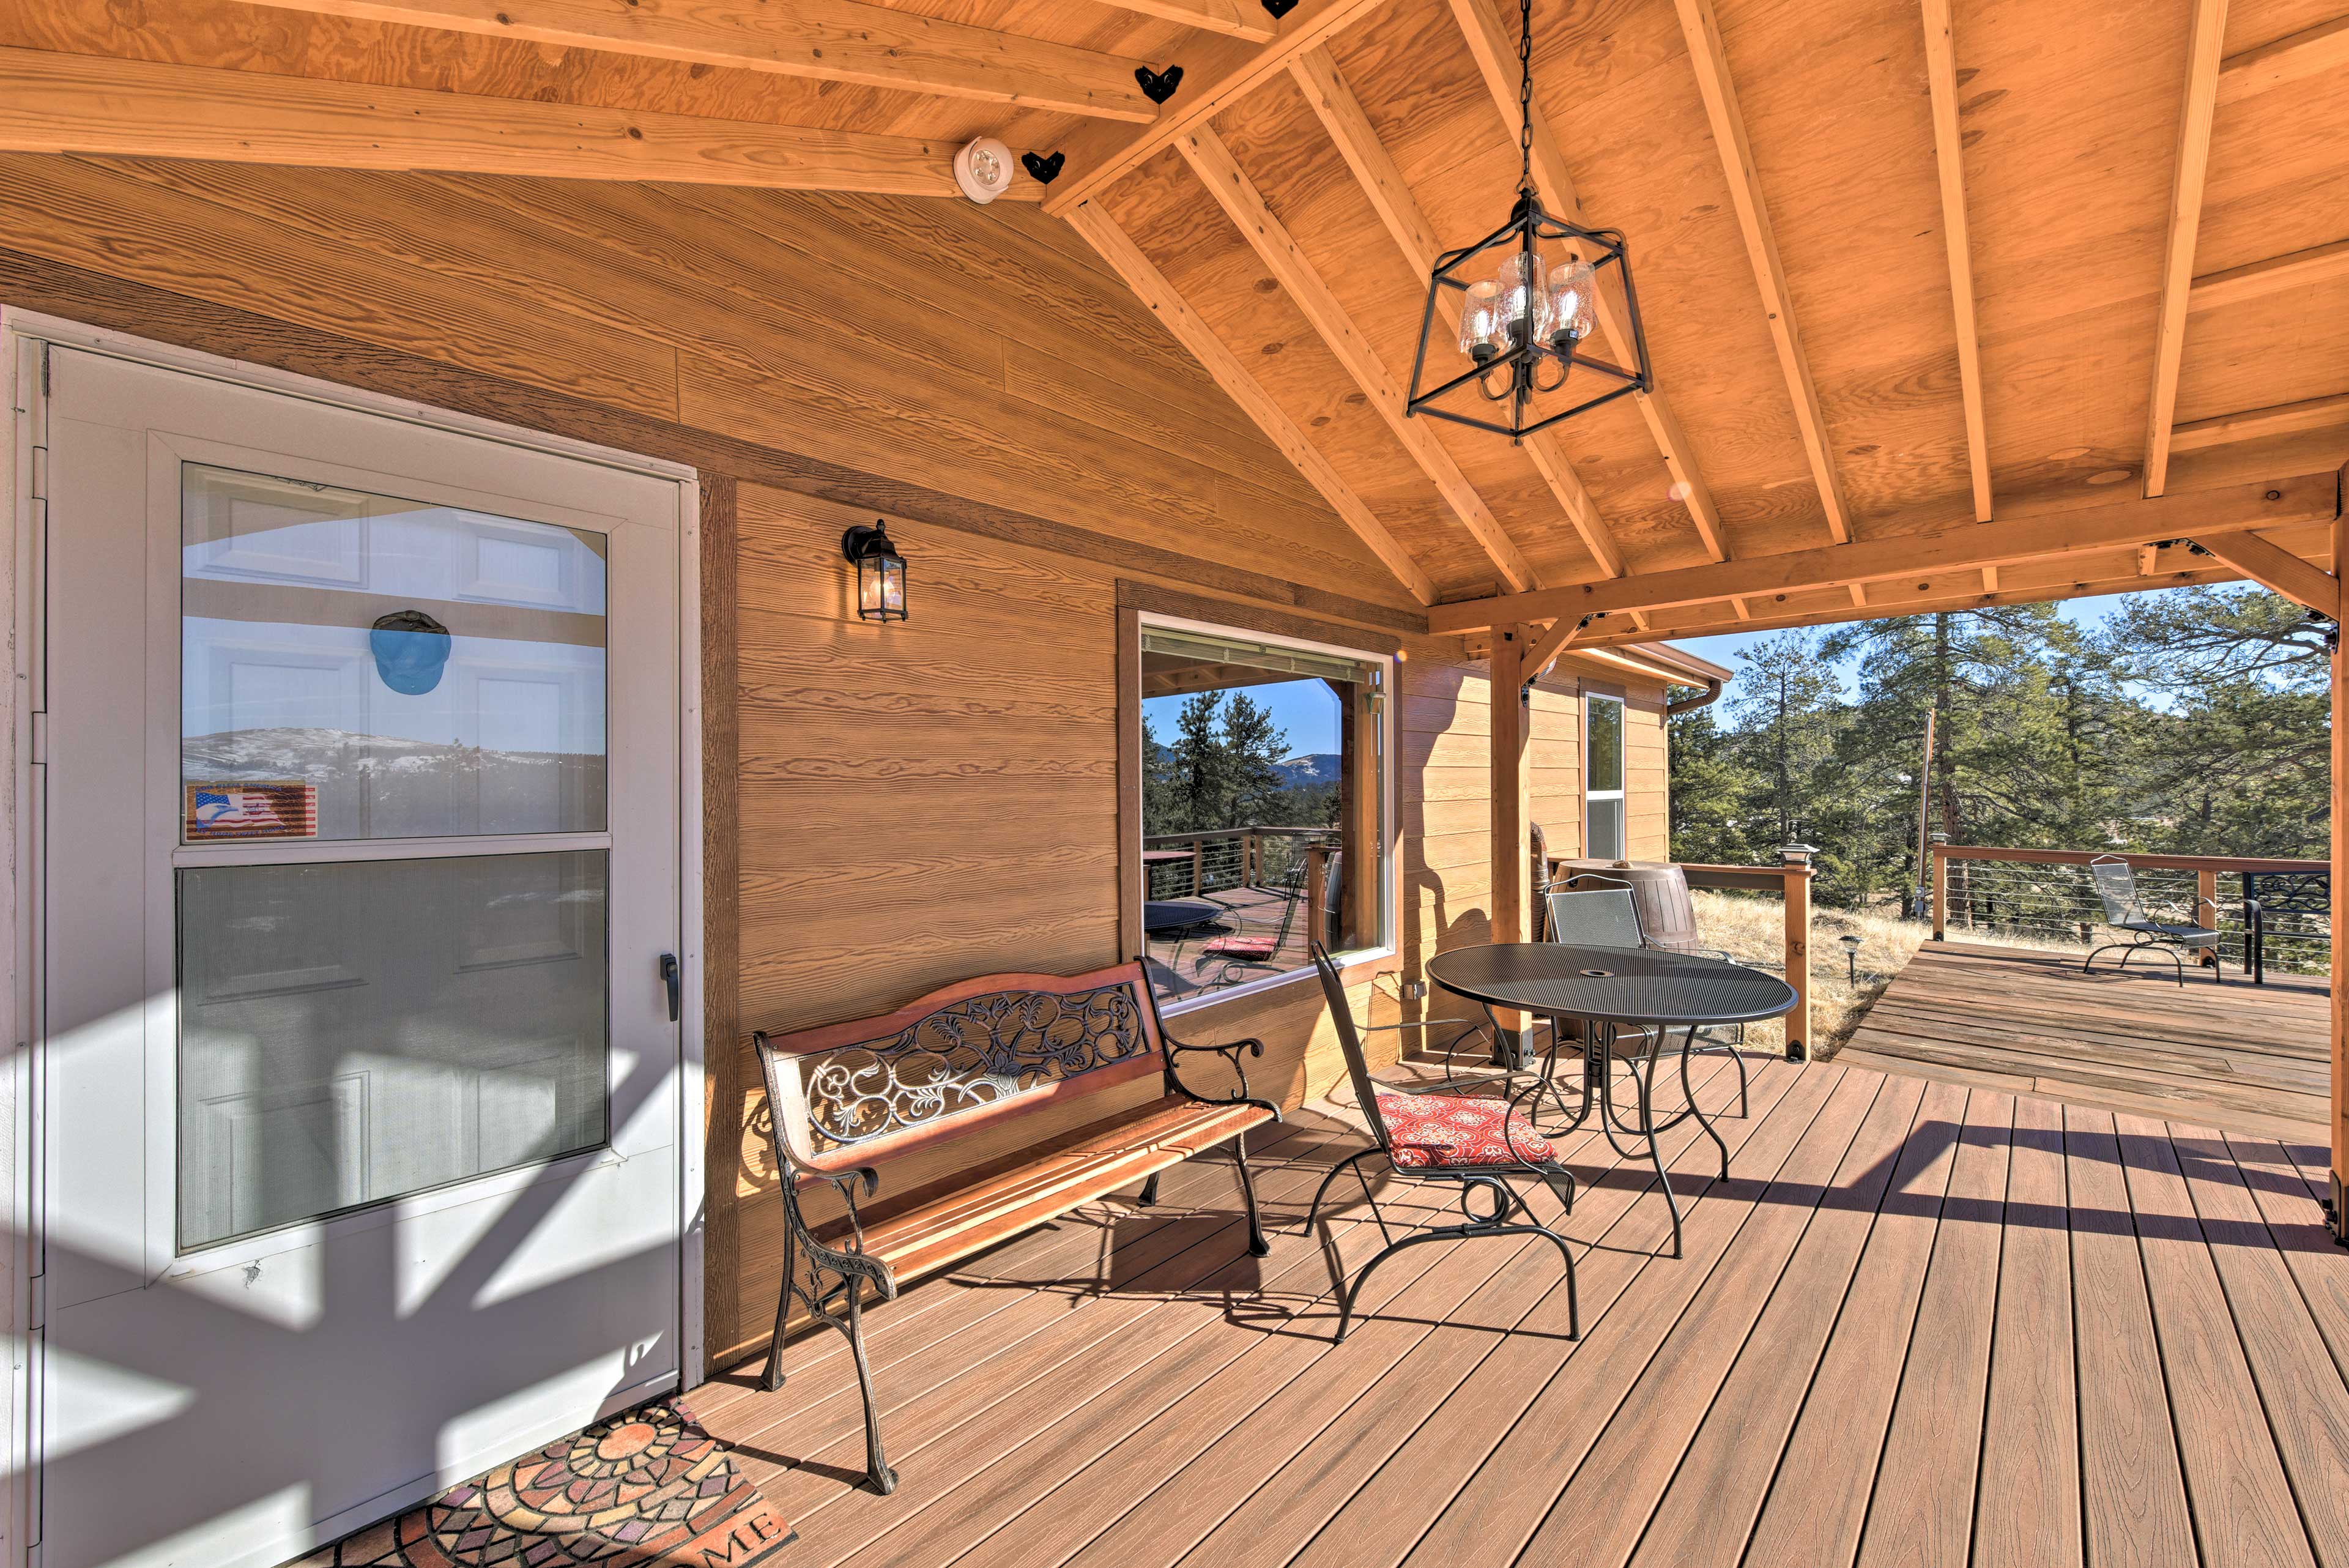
[
  {"x": 2045, "y": 895},
  {"x": 1224, "y": 859}
]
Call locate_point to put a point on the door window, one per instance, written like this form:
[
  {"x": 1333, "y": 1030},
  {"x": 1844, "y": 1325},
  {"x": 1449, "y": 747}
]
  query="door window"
[{"x": 360, "y": 667}]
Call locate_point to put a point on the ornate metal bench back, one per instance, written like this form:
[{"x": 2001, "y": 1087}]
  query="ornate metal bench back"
[{"x": 849, "y": 1094}]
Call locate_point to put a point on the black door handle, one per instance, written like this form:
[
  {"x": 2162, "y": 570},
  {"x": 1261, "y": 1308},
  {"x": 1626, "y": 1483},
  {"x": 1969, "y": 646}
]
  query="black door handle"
[{"x": 670, "y": 972}]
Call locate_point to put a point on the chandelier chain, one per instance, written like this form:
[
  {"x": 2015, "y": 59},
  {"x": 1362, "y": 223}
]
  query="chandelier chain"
[{"x": 1525, "y": 95}]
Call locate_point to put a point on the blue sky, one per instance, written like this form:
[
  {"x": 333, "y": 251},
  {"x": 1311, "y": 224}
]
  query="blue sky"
[{"x": 1307, "y": 709}]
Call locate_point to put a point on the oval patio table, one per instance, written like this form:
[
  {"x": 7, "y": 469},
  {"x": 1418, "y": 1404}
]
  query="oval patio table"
[{"x": 1607, "y": 989}]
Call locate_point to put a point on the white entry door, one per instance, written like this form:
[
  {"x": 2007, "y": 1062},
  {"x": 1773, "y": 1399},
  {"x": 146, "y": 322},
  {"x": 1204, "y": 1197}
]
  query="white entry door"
[{"x": 358, "y": 1106}]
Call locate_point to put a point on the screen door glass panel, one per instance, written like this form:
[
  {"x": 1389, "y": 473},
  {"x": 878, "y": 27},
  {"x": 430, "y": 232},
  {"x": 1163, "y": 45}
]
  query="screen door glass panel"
[
  {"x": 356, "y": 1031},
  {"x": 357, "y": 666}
]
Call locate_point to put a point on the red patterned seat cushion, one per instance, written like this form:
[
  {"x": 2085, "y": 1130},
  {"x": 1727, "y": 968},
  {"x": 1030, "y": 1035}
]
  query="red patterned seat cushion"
[
  {"x": 1448, "y": 1132},
  {"x": 1242, "y": 947}
]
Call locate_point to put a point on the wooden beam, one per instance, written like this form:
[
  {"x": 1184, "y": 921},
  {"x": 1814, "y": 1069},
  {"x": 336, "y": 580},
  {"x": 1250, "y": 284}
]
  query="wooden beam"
[
  {"x": 2311, "y": 52},
  {"x": 1244, "y": 205},
  {"x": 1234, "y": 18},
  {"x": 1710, "y": 57},
  {"x": 1216, "y": 75},
  {"x": 2315, "y": 414},
  {"x": 88, "y": 103},
  {"x": 830, "y": 40},
  {"x": 2300, "y": 269},
  {"x": 2339, "y": 1009},
  {"x": 2191, "y": 167},
  {"x": 2277, "y": 570},
  {"x": 2114, "y": 524},
  {"x": 1989, "y": 579},
  {"x": 1341, "y": 115},
  {"x": 1556, "y": 640},
  {"x": 1126, "y": 259},
  {"x": 1859, "y": 596},
  {"x": 1949, "y": 158},
  {"x": 1494, "y": 49}
]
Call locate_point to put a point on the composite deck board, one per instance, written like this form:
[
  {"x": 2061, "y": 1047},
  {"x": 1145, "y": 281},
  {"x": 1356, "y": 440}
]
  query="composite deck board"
[
  {"x": 1920, "y": 1323},
  {"x": 1937, "y": 1414},
  {"x": 1819, "y": 1503},
  {"x": 2133, "y": 1486},
  {"x": 2243, "y": 1057},
  {"x": 2027, "y": 1503}
]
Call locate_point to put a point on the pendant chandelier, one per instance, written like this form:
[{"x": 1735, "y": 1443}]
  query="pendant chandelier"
[{"x": 1516, "y": 307}]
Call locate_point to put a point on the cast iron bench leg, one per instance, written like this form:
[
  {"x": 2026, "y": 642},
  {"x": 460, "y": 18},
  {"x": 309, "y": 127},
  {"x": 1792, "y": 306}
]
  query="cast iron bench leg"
[{"x": 1257, "y": 1244}]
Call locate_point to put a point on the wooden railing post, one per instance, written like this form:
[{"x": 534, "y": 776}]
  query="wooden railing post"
[
  {"x": 1941, "y": 876},
  {"x": 1796, "y": 861},
  {"x": 2339, "y": 1206},
  {"x": 2206, "y": 905}
]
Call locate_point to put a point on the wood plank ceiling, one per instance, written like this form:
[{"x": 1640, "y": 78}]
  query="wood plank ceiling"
[{"x": 1906, "y": 265}]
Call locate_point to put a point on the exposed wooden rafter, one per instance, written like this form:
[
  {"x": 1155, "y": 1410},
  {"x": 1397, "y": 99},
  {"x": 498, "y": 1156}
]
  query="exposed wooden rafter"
[
  {"x": 1340, "y": 113},
  {"x": 1126, "y": 258},
  {"x": 2191, "y": 167},
  {"x": 1245, "y": 206},
  {"x": 1949, "y": 158},
  {"x": 2309, "y": 52},
  {"x": 1495, "y": 53},
  {"x": 2284, "y": 419},
  {"x": 1562, "y": 635},
  {"x": 2276, "y": 569},
  {"x": 1238, "y": 18},
  {"x": 89, "y": 103},
  {"x": 1217, "y": 75},
  {"x": 831, "y": 40},
  {"x": 1701, "y": 29},
  {"x": 2300, "y": 269},
  {"x": 2030, "y": 536}
]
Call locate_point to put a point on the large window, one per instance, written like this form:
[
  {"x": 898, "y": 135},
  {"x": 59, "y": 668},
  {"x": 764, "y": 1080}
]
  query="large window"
[
  {"x": 1602, "y": 786},
  {"x": 1263, "y": 807}
]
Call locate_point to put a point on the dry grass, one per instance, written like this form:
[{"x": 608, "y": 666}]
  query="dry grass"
[{"x": 1752, "y": 927}]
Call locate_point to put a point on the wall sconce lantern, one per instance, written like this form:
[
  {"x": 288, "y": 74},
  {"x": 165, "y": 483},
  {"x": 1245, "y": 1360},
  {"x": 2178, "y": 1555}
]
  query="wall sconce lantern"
[{"x": 880, "y": 572}]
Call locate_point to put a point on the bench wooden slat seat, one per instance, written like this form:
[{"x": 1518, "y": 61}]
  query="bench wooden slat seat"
[{"x": 847, "y": 1097}]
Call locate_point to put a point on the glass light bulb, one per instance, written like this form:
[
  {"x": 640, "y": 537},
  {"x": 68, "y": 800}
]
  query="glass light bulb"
[
  {"x": 1572, "y": 289},
  {"x": 1482, "y": 336},
  {"x": 1525, "y": 306}
]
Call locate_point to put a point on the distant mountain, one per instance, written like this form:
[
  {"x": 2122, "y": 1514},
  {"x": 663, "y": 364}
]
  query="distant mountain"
[{"x": 1302, "y": 772}]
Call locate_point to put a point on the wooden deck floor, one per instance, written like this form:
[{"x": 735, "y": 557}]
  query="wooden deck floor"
[
  {"x": 1920, "y": 1322},
  {"x": 2238, "y": 1056}
]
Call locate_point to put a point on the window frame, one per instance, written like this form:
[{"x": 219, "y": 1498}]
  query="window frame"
[
  {"x": 1132, "y": 621},
  {"x": 1622, "y": 774}
]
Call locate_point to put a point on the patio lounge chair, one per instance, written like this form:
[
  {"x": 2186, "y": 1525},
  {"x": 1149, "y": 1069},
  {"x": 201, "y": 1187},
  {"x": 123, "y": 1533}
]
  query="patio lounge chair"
[
  {"x": 2116, "y": 882},
  {"x": 1435, "y": 1135}
]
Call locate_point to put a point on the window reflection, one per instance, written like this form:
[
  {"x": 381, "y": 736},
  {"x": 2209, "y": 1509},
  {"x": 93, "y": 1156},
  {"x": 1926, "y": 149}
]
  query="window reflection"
[{"x": 358, "y": 666}]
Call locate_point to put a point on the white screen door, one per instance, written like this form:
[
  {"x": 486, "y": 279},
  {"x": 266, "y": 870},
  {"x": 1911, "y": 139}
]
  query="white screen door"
[{"x": 359, "y": 1087}]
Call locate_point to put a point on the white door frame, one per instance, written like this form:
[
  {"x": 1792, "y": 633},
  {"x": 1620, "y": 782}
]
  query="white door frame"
[{"x": 23, "y": 473}]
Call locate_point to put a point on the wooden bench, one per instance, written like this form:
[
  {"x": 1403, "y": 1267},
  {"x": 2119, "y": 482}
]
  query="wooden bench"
[{"x": 847, "y": 1097}]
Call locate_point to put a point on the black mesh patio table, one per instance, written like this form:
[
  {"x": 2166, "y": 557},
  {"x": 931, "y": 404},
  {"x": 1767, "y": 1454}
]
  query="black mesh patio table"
[{"x": 1606, "y": 991}]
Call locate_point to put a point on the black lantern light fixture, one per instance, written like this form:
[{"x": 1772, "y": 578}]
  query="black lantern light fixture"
[
  {"x": 880, "y": 572},
  {"x": 1507, "y": 317}
]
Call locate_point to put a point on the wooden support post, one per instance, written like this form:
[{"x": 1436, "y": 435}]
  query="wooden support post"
[
  {"x": 2206, "y": 897},
  {"x": 1941, "y": 876},
  {"x": 1510, "y": 851},
  {"x": 1198, "y": 859},
  {"x": 1317, "y": 892},
  {"x": 2340, "y": 1008},
  {"x": 1797, "y": 862}
]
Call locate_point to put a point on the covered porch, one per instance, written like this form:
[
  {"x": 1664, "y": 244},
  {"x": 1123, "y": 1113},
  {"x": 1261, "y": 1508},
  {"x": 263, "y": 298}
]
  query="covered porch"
[{"x": 1920, "y": 1322}]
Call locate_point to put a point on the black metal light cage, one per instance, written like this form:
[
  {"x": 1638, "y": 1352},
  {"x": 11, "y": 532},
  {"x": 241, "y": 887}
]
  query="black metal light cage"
[{"x": 1527, "y": 226}]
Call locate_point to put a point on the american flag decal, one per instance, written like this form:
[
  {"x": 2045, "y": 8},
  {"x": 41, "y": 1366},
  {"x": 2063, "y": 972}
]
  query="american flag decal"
[{"x": 274, "y": 809}]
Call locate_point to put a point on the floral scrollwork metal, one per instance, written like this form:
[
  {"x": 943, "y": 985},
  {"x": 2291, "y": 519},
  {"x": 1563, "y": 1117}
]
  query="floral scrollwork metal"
[{"x": 977, "y": 1051}]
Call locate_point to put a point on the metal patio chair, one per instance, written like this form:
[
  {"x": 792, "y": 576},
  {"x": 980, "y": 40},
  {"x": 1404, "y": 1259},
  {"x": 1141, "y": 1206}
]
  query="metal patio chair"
[
  {"x": 1608, "y": 917},
  {"x": 1475, "y": 1142},
  {"x": 1257, "y": 944},
  {"x": 2116, "y": 881}
]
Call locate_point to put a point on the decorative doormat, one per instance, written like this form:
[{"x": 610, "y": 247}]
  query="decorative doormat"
[{"x": 645, "y": 1487}]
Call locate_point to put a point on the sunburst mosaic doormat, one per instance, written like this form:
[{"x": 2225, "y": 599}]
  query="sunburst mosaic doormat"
[{"x": 643, "y": 1488}]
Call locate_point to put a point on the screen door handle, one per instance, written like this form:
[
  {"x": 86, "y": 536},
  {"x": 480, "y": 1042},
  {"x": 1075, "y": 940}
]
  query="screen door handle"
[{"x": 675, "y": 978}]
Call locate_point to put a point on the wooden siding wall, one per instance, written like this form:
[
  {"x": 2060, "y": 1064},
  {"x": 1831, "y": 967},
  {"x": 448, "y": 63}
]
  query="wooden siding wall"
[
  {"x": 1558, "y": 762},
  {"x": 909, "y": 805}
]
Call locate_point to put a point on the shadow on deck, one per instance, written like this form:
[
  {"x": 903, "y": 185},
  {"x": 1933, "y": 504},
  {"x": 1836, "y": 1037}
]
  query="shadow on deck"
[{"x": 2243, "y": 1057}]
